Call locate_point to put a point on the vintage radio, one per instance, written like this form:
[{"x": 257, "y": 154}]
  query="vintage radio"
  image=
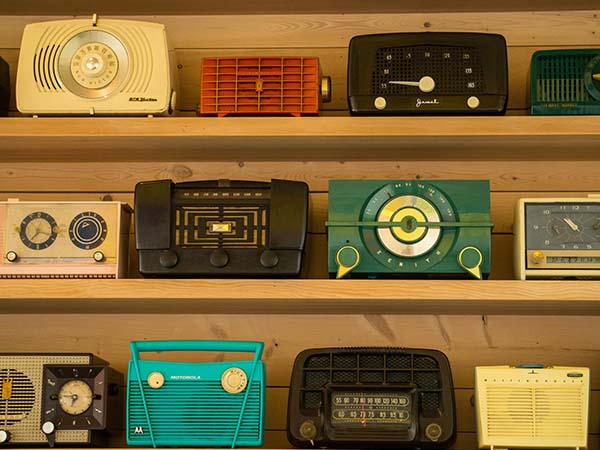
[
  {"x": 264, "y": 85},
  {"x": 409, "y": 228},
  {"x": 211, "y": 404},
  {"x": 565, "y": 82},
  {"x": 427, "y": 73},
  {"x": 221, "y": 228},
  {"x": 64, "y": 239},
  {"x": 557, "y": 237},
  {"x": 532, "y": 406},
  {"x": 95, "y": 67},
  {"x": 371, "y": 398},
  {"x": 4, "y": 88},
  {"x": 57, "y": 398}
]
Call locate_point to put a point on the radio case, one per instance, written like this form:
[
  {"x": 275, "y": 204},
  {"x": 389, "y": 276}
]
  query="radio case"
[
  {"x": 409, "y": 228},
  {"x": 371, "y": 398},
  {"x": 221, "y": 228},
  {"x": 430, "y": 73},
  {"x": 25, "y": 383},
  {"x": 532, "y": 406},
  {"x": 565, "y": 82},
  {"x": 4, "y": 88},
  {"x": 195, "y": 404}
]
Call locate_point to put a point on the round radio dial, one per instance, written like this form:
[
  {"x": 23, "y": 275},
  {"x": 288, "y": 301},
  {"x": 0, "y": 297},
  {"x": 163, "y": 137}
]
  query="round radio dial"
[
  {"x": 234, "y": 380},
  {"x": 38, "y": 230},
  {"x": 94, "y": 65},
  {"x": 88, "y": 230},
  {"x": 156, "y": 380},
  {"x": 75, "y": 397},
  {"x": 433, "y": 431}
]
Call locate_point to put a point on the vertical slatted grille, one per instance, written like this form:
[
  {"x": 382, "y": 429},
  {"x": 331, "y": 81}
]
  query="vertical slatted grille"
[{"x": 561, "y": 78}]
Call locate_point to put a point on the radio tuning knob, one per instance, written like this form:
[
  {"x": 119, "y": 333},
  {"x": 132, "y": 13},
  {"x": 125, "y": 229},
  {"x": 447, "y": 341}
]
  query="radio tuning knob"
[
  {"x": 168, "y": 259},
  {"x": 433, "y": 432},
  {"x": 48, "y": 427},
  {"x": 380, "y": 103},
  {"x": 219, "y": 258},
  {"x": 234, "y": 380},
  {"x": 98, "y": 256},
  {"x": 4, "y": 436},
  {"x": 11, "y": 256},
  {"x": 156, "y": 380},
  {"x": 470, "y": 259},
  {"x": 269, "y": 259},
  {"x": 537, "y": 257},
  {"x": 473, "y": 102},
  {"x": 308, "y": 430}
]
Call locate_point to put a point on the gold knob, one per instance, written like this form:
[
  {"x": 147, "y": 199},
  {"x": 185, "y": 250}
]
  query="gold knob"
[
  {"x": 156, "y": 380},
  {"x": 11, "y": 256},
  {"x": 98, "y": 256},
  {"x": 537, "y": 257},
  {"x": 234, "y": 380}
]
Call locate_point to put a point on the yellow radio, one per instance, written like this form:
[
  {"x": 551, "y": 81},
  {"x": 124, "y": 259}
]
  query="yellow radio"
[
  {"x": 64, "y": 239},
  {"x": 532, "y": 406}
]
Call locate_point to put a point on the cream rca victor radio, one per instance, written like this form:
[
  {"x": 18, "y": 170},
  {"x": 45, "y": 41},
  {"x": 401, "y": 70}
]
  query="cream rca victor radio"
[
  {"x": 64, "y": 239},
  {"x": 532, "y": 406},
  {"x": 95, "y": 67},
  {"x": 557, "y": 237}
]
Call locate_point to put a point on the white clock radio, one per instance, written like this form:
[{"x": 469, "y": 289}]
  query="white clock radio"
[{"x": 95, "y": 67}]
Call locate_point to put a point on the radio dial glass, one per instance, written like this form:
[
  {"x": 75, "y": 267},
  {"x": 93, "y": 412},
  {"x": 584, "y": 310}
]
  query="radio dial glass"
[
  {"x": 88, "y": 230},
  {"x": 38, "y": 230},
  {"x": 75, "y": 397}
]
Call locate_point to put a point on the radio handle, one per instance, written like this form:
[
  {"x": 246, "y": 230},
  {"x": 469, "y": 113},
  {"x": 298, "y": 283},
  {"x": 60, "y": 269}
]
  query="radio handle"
[{"x": 190, "y": 345}]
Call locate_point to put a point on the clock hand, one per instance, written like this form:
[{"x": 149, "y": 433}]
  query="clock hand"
[
  {"x": 425, "y": 84},
  {"x": 571, "y": 224}
]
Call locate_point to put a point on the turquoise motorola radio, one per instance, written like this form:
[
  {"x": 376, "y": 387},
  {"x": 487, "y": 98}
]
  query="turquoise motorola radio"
[
  {"x": 195, "y": 404},
  {"x": 409, "y": 228}
]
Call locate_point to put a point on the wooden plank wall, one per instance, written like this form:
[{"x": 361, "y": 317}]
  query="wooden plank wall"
[{"x": 468, "y": 340}]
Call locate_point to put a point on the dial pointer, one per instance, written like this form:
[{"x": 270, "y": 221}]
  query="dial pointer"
[{"x": 425, "y": 84}]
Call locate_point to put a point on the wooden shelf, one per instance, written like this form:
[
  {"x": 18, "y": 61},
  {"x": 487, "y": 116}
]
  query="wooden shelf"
[
  {"x": 299, "y": 297},
  {"x": 314, "y": 138},
  {"x": 147, "y": 7}
]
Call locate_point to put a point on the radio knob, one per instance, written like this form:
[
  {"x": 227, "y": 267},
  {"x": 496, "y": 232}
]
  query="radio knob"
[
  {"x": 473, "y": 102},
  {"x": 219, "y": 258},
  {"x": 269, "y": 259},
  {"x": 537, "y": 257},
  {"x": 380, "y": 103},
  {"x": 234, "y": 380},
  {"x": 4, "y": 436},
  {"x": 48, "y": 427},
  {"x": 156, "y": 380},
  {"x": 433, "y": 431},
  {"x": 308, "y": 430},
  {"x": 11, "y": 256},
  {"x": 98, "y": 256},
  {"x": 168, "y": 259}
]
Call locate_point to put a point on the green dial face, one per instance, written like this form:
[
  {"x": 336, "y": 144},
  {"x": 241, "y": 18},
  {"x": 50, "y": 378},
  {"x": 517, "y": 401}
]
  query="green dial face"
[{"x": 409, "y": 245}]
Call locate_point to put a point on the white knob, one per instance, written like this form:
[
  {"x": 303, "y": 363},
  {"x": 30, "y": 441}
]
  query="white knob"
[
  {"x": 11, "y": 256},
  {"x": 48, "y": 427},
  {"x": 4, "y": 436},
  {"x": 98, "y": 256},
  {"x": 473, "y": 102},
  {"x": 426, "y": 84},
  {"x": 380, "y": 103},
  {"x": 156, "y": 380}
]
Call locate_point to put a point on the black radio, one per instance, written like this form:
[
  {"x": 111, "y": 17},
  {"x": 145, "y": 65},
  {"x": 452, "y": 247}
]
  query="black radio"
[
  {"x": 221, "y": 228},
  {"x": 4, "y": 88},
  {"x": 428, "y": 73},
  {"x": 375, "y": 397}
]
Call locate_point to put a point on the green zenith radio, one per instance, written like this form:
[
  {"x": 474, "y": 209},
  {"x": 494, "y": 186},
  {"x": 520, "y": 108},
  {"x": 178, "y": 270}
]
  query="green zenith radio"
[{"x": 409, "y": 228}]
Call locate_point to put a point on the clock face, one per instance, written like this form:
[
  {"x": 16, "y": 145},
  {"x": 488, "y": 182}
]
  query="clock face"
[
  {"x": 75, "y": 397},
  {"x": 38, "y": 230}
]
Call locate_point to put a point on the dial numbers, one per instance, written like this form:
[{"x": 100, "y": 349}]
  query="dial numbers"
[
  {"x": 562, "y": 226},
  {"x": 409, "y": 246},
  {"x": 75, "y": 397},
  {"x": 88, "y": 230},
  {"x": 38, "y": 230}
]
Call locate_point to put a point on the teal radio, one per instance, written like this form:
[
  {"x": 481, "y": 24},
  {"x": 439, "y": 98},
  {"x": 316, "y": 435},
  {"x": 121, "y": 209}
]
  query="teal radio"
[
  {"x": 195, "y": 404},
  {"x": 409, "y": 228}
]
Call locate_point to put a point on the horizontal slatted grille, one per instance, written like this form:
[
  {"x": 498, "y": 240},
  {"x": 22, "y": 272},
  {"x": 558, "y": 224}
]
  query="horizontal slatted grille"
[{"x": 183, "y": 411}]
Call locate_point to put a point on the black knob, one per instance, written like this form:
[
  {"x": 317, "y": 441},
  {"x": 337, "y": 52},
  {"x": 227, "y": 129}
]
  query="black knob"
[
  {"x": 219, "y": 258},
  {"x": 168, "y": 259},
  {"x": 269, "y": 259},
  {"x": 4, "y": 436}
]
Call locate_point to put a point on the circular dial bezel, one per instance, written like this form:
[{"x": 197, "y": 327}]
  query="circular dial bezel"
[
  {"x": 80, "y": 399},
  {"x": 442, "y": 238},
  {"x": 92, "y": 219},
  {"x": 44, "y": 219},
  {"x": 77, "y": 46},
  {"x": 592, "y": 86}
]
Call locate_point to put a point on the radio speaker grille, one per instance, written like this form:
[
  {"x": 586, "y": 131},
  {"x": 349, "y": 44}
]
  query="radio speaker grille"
[
  {"x": 372, "y": 368},
  {"x": 222, "y": 226},
  {"x": 411, "y": 64},
  {"x": 183, "y": 411},
  {"x": 535, "y": 412},
  {"x": 561, "y": 79},
  {"x": 19, "y": 404}
]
